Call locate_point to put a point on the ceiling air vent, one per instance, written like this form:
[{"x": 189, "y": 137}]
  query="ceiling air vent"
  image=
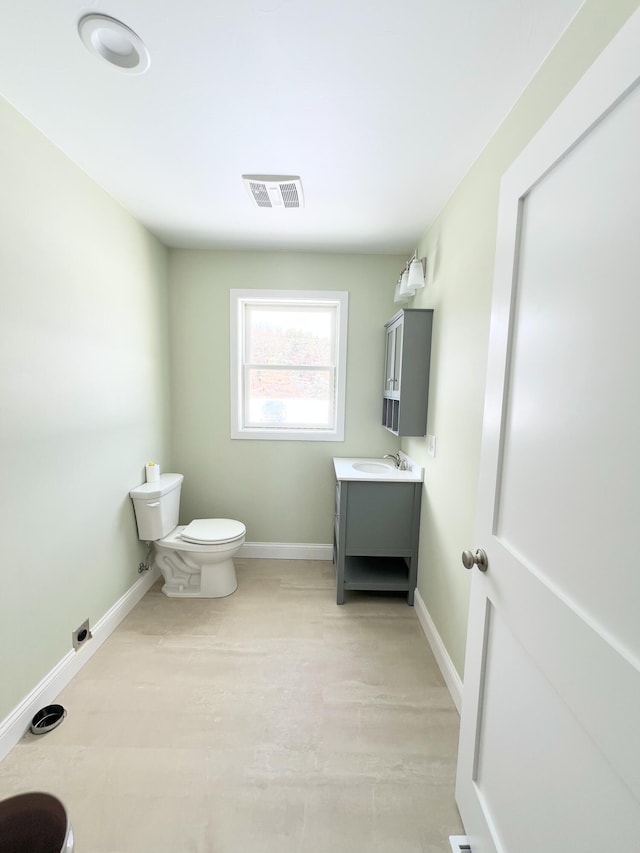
[{"x": 274, "y": 190}]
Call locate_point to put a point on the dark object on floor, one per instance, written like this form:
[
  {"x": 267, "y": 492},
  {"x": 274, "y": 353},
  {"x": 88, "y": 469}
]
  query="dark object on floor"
[
  {"x": 34, "y": 822},
  {"x": 46, "y": 719}
]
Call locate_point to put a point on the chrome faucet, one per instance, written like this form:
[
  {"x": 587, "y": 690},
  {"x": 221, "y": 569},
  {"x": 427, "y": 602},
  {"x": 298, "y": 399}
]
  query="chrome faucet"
[{"x": 401, "y": 464}]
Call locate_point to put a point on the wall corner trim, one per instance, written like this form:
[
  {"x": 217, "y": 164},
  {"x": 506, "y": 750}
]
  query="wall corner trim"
[
  {"x": 448, "y": 670},
  {"x": 17, "y": 722}
]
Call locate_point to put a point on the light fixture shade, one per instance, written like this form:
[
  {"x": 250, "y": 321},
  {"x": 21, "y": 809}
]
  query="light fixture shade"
[
  {"x": 405, "y": 290},
  {"x": 397, "y": 297},
  {"x": 416, "y": 275}
]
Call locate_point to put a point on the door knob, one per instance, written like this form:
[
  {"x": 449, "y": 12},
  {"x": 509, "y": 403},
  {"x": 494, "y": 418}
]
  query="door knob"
[{"x": 478, "y": 559}]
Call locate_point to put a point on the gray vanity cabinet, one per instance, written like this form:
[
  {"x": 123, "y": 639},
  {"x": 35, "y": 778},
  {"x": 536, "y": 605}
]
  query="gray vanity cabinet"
[
  {"x": 406, "y": 371},
  {"x": 376, "y": 530}
]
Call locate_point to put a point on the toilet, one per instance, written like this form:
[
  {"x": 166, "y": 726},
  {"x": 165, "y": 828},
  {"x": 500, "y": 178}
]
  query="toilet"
[{"x": 196, "y": 559}]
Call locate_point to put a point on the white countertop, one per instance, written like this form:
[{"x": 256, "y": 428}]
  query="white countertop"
[{"x": 344, "y": 469}]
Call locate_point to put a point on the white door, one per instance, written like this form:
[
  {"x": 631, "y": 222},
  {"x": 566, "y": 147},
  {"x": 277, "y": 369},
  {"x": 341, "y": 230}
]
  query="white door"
[{"x": 550, "y": 734}]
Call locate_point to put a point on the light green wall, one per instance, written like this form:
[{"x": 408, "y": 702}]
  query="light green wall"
[
  {"x": 462, "y": 243},
  {"x": 84, "y": 391},
  {"x": 282, "y": 490}
]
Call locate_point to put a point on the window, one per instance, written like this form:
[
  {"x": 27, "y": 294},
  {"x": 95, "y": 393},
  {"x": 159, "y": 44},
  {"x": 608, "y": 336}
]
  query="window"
[{"x": 288, "y": 364}]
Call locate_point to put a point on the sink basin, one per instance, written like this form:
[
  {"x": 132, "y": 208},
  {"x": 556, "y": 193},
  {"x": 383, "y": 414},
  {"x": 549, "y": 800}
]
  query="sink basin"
[{"x": 372, "y": 467}]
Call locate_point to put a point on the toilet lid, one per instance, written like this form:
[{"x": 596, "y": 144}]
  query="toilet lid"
[{"x": 211, "y": 531}]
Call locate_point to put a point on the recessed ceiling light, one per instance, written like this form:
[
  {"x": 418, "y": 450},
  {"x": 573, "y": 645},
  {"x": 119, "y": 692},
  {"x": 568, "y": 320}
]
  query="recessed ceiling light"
[{"x": 114, "y": 42}]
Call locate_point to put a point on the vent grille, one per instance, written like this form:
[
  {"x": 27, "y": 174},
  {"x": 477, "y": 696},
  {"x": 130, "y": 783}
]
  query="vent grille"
[
  {"x": 260, "y": 194},
  {"x": 284, "y": 191},
  {"x": 460, "y": 844},
  {"x": 290, "y": 195}
]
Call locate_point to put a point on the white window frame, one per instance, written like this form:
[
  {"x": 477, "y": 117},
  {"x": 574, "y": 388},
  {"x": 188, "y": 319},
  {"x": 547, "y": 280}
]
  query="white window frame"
[{"x": 295, "y": 298}]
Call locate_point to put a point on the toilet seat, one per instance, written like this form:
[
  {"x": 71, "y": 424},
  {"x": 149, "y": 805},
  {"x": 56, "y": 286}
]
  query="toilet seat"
[{"x": 212, "y": 531}]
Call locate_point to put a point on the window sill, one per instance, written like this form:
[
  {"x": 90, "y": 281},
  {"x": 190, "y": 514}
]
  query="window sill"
[{"x": 266, "y": 434}]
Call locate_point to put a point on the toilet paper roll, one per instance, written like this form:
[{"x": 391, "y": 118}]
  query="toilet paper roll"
[{"x": 153, "y": 472}]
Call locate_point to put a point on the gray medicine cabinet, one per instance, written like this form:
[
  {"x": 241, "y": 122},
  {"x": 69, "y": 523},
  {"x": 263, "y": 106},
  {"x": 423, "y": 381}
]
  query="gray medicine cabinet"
[{"x": 406, "y": 371}]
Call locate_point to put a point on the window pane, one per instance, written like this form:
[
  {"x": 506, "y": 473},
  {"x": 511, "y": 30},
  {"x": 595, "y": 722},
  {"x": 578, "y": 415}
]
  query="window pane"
[
  {"x": 296, "y": 336},
  {"x": 290, "y": 398}
]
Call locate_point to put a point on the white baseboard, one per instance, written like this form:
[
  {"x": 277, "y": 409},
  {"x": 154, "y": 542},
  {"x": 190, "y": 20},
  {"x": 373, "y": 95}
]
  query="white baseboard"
[
  {"x": 448, "y": 670},
  {"x": 285, "y": 551},
  {"x": 13, "y": 727}
]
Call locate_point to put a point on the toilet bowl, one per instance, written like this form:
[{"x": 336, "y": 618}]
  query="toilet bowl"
[{"x": 196, "y": 559}]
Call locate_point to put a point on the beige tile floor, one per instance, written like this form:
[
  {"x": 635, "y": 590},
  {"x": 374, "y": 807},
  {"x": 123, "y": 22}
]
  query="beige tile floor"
[{"x": 272, "y": 721}]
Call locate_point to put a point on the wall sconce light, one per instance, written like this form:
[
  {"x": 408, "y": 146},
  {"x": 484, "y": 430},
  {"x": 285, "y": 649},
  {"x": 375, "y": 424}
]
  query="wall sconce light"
[{"x": 412, "y": 278}]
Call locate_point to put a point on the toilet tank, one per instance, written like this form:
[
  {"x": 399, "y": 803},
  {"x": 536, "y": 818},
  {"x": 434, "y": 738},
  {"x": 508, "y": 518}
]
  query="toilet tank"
[{"x": 157, "y": 506}]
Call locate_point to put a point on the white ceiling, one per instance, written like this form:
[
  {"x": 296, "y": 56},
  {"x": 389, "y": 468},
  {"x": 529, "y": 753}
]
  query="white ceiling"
[{"x": 381, "y": 106}]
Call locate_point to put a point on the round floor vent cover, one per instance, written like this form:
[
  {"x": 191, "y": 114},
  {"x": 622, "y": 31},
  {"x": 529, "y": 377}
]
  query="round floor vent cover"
[{"x": 47, "y": 719}]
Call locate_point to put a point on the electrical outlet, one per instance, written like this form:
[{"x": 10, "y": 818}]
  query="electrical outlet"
[
  {"x": 81, "y": 635},
  {"x": 431, "y": 445}
]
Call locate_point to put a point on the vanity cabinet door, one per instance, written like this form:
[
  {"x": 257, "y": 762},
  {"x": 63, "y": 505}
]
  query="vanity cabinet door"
[{"x": 380, "y": 518}]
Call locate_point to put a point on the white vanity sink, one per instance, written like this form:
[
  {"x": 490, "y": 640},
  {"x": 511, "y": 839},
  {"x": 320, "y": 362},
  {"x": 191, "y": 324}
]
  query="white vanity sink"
[{"x": 377, "y": 469}]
